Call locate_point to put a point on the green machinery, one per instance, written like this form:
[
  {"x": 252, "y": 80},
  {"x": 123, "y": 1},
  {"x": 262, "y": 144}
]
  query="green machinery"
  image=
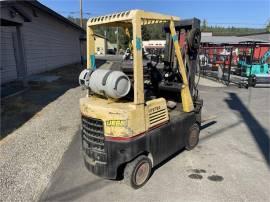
[{"x": 257, "y": 73}]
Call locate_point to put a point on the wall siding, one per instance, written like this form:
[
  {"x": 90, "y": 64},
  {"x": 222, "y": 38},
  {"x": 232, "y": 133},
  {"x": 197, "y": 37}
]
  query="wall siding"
[
  {"x": 49, "y": 43},
  {"x": 7, "y": 55}
]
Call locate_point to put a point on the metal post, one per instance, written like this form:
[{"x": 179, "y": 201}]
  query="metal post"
[
  {"x": 224, "y": 64},
  {"x": 137, "y": 62},
  {"x": 106, "y": 43},
  {"x": 81, "y": 14},
  {"x": 117, "y": 39},
  {"x": 251, "y": 57},
  {"x": 260, "y": 57},
  {"x": 204, "y": 68},
  {"x": 230, "y": 65},
  {"x": 185, "y": 92}
]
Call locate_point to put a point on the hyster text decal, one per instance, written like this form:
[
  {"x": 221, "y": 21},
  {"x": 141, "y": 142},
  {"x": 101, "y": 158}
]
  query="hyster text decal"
[
  {"x": 116, "y": 123},
  {"x": 154, "y": 109}
]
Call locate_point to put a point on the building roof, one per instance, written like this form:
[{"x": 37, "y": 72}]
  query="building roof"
[
  {"x": 265, "y": 36},
  {"x": 230, "y": 40},
  {"x": 206, "y": 33},
  {"x": 44, "y": 8}
]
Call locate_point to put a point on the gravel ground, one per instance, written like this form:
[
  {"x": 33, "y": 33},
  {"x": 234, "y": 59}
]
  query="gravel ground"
[{"x": 30, "y": 154}]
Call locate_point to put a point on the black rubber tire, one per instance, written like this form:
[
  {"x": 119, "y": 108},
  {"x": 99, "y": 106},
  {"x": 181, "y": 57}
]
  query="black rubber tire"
[
  {"x": 194, "y": 39},
  {"x": 191, "y": 142},
  {"x": 131, "y": 171}
]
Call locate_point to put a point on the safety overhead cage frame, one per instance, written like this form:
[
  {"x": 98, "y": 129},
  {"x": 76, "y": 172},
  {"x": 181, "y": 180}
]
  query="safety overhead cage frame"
[{"x": 136, "y": 19}]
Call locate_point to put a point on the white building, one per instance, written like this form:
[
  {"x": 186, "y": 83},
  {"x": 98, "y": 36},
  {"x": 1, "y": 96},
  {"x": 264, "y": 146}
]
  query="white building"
[
  {"x": 154, "y": 44},
  {"x": 35, "y": 39}
]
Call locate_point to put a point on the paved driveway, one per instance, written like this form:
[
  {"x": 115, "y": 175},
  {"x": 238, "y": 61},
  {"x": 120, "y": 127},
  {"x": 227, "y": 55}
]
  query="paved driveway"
[{"x": 231, "y": 162}]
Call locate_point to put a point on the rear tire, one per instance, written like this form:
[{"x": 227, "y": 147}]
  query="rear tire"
[
  {"x": 192, "y": 138},
  {"x": 137, "y": 172},
  {"x": 194, "y": 39}
]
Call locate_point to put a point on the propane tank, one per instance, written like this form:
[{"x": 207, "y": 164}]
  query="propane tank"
[{"x": 114, "y": 84}]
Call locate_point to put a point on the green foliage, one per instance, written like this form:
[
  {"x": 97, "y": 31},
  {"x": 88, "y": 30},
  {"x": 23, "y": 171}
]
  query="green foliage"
[
  {"x": 77, "y": 21},
  {"x": 145, "y": 34},
  {"x": 111, "y": 34},
  {"x": 204, "y": 24},
  {"x": 268, "y": 26},
  {"x": 153, "y": 32},
  {"x": 230, "y": 31},
  {"x": 124, "y": 40}
]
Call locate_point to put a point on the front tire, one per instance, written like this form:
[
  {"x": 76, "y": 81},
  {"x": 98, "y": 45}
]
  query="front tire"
[
  {"x": 137, "y": 172},
  {"x": 192, "y": 138}
]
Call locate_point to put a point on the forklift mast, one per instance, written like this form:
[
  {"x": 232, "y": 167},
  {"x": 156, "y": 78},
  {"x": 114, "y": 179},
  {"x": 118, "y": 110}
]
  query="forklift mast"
[{"x": 186, "y": 29}]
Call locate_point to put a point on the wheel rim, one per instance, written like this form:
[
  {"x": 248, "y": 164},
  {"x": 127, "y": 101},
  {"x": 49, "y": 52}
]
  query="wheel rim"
[
  {"x": 142, "y": 173},
  {"x": 193, "y": 138}
]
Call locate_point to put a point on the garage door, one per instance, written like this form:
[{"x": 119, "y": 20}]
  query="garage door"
[{"x": 7, "y": 55}]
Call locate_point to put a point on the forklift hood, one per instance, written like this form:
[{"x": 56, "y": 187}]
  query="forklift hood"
[{"x": 120, "y": 119}]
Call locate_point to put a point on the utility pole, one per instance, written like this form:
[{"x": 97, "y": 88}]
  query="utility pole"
[
  {"x": 106, "y": 42},
  {"x": 81, "y": 14},
  {"x": 117, "y": 40}
]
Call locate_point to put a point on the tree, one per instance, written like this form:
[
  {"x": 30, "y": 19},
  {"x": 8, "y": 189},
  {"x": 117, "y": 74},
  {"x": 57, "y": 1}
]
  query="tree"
[
  {"x": 124, "y": 40},
  {"x": 204, "y": 24},
  {"x": 145, "y": 34},
  {"x": 268, "y": 26}
]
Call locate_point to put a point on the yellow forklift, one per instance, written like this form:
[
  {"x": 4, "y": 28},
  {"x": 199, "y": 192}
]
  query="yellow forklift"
[{"x": 125, "y": 130}]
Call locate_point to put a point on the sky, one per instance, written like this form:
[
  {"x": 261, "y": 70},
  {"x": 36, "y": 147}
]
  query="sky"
[{"x": 237, "y": 13}]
